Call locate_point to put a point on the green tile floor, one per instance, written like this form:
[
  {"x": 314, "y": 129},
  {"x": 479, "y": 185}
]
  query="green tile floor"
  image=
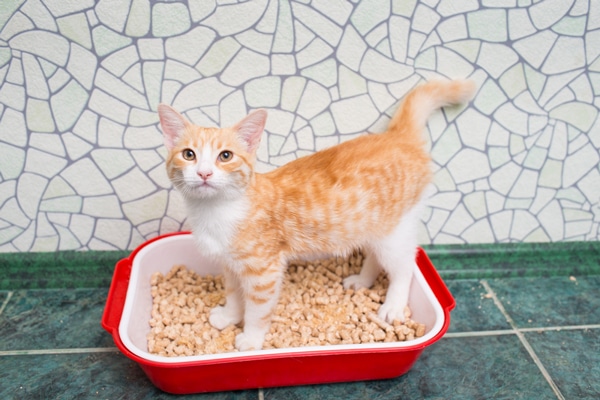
[{"x": 526, "y": 325}]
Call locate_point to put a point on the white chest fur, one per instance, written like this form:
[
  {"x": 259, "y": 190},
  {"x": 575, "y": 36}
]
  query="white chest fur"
[{"x": 214, "y": 223}]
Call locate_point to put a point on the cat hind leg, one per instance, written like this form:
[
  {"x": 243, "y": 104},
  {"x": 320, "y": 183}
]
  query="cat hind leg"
[
  {"x": 399, "y": 266},
  {"x": 367, "y": 276},
  {"x": 396, "y": 255}
]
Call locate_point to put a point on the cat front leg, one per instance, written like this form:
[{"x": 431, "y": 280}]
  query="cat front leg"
[
  {"x": 232, "y": 312},
  {"x": 261, "y": 293}
]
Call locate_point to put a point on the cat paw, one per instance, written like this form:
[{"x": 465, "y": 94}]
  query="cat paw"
[
  {"x": 220, "y": 318},
  {"x": 356, "y": 282},
  {"x": 391, "y": 312},
  {"x": 247, "y": 342}
]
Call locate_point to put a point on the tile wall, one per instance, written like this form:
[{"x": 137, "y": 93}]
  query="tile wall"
[{"x": 81, "y": 156}]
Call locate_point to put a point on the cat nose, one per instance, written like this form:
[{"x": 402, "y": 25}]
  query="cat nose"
[{"x": 205, "y": 174}]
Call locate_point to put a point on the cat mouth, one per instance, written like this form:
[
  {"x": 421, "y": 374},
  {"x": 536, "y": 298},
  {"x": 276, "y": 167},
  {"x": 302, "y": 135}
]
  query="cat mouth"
[
  {"x": 204, "y": 187},
  {"x": 200, "y": 188}
]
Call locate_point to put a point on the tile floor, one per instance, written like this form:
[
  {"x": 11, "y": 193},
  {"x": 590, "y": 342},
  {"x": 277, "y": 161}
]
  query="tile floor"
[{"x": 510, "y": 338}]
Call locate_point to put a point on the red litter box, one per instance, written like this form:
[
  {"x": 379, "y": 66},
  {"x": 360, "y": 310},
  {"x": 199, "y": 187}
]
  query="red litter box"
[{"x": 129, "y": 303}]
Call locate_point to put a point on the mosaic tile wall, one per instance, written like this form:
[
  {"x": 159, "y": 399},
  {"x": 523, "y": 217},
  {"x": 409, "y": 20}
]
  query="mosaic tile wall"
[{"x": 81, "y": 157}]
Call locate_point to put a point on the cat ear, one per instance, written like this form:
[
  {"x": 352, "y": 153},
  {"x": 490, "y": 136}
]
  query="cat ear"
[
  {"x": 250, "y": 129},
  {"x": 172, "y": 123}
]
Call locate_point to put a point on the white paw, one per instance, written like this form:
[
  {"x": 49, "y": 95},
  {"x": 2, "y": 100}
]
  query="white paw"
[
  {"x": 246, "y": 342},
  {"x": 391, "y": 312},
  {"x": 356, "y": 282},
  {"x": 221, "y": 318}
]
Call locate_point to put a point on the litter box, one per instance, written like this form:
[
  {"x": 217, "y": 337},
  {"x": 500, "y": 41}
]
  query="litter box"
[{"x": 129, "y": 304}]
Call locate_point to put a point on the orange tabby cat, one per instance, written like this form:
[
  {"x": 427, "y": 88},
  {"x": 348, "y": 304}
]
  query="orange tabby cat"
[{"x": 365, "y": 193}]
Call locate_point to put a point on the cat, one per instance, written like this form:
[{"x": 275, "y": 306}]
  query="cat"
[{"x": 366, "y": 193}]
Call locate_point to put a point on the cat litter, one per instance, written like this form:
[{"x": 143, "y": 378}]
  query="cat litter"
[
  {"x": 313, "y": 310},
  {"x": 356, "y": 345}
]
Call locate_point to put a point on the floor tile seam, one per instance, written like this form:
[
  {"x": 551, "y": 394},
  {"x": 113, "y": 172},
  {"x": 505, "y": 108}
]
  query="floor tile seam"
[
  {"x": 5, "y": 302},
  {"x": 501, "y": 332},
  {"x": 560, "y": 328},
  {"x": 450, "y": 335},
  {"x": 37, "y": 352},
  {"x": 523, "y": 340}
]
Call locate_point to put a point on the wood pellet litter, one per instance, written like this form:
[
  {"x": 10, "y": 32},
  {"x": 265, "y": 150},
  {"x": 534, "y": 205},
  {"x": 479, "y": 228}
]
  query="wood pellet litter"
[{"x": 314, "y": 310}]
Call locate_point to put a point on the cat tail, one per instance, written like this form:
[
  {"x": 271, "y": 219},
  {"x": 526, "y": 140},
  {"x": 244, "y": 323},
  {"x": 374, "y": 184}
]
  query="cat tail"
[{"x": 411, "y": 118}]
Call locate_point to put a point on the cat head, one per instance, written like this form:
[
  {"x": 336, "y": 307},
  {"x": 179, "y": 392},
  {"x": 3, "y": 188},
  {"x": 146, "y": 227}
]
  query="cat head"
[{"x": 207, "y": 163}]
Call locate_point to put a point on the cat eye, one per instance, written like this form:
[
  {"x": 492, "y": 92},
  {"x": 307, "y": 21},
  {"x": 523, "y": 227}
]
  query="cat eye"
[
  {"x": 188, "y": 155},
  {"x": 225, "y": 156}
]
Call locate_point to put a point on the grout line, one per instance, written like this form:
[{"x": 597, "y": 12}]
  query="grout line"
[
  {"x": 561, "y": 328},
  {"x": 449, "y": 335},
  {"x": 479, "y": 333},
  {"x": 512, "y": 331},
  {"x": 524, "y": 341},
  {"x": 58, "y": 351},
  {"x": 8, "y": 297}
]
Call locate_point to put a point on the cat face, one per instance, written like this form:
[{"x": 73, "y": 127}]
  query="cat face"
[
  {"x": 203, "y": 167},
  {"x": 208, "y": 163}
]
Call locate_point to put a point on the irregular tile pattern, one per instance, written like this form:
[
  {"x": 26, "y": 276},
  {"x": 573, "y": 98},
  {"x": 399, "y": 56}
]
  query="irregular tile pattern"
[{"x": 81, "y": 157}]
